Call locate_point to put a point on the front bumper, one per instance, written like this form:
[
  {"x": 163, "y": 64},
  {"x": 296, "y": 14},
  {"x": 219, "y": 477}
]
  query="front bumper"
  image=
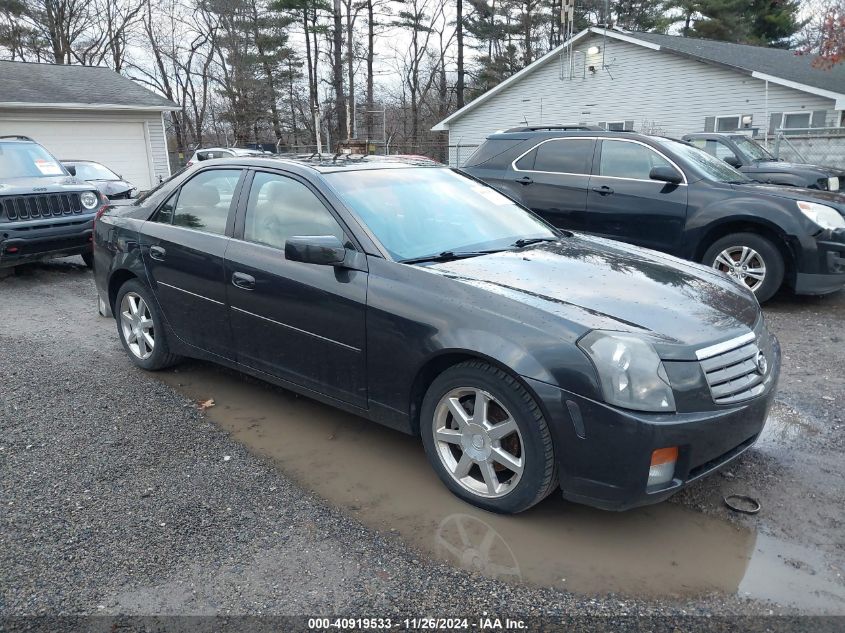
[
  {"x": 825, "y": 272},
  {"x": 22, "y": 242},
  {"x": 604, "y": 452}
]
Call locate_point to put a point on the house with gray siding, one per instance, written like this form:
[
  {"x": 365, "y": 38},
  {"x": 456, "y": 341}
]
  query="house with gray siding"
[
  {"x": 661, "y": 84},
  {"x": 87, "y": 113}
]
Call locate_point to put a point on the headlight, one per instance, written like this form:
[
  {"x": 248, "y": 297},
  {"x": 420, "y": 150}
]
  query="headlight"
[
  {"x": 822, "y": 215},
  {"x": 631, "y": 373},
  {"x": 89, "y": 200}
]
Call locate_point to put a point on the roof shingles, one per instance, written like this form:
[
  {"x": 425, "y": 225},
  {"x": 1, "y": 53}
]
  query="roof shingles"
[
  {"x": 45, "y": 84},
  {"x": 777, "y": 62}
]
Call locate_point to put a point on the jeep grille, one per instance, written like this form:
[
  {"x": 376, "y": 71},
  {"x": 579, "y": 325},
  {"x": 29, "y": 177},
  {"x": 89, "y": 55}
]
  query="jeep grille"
[{"x": 35, "y": 206}]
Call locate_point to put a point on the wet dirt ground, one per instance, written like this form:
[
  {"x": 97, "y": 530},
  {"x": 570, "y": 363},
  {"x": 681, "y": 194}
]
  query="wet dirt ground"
[{"x": 792, "y": 553}]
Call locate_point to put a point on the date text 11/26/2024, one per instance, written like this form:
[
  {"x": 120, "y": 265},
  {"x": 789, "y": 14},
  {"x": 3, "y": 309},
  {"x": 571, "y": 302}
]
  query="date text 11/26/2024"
[{"x": 483, "y": 623}]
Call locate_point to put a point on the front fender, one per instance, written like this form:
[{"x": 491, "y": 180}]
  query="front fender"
[
  {"x": 563, "y": 365},
  {"x": 778, "y": 215}
]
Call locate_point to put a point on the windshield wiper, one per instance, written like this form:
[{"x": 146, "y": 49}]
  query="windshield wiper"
[
  {"x": 448, "y": 256},
  {"x": 533, "y": 240}
]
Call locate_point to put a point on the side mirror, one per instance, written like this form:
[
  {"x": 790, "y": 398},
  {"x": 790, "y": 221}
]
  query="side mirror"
[
  {"x": 323, "y": 250},
  {"x": 71, "y": 169},
  {"x": 665, "y": 174},
  {"x": 733, "y": 161}
]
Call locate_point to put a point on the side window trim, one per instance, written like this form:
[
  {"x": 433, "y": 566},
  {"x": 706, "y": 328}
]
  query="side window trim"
[
  {"x": 233, "y": 205},
  {"x": 552, "y": 140},
  {"x": 243, "y": 204},
  {"x": 597, "y": 164}
]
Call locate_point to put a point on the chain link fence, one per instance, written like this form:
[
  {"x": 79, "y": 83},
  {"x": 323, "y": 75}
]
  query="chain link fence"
[{"x": 821, "y": 146}]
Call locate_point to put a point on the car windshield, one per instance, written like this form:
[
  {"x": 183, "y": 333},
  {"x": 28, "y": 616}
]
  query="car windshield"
[
  {"x": 420, "y": 211},
  {"x": 703, "y": 164},
  {"x": 753, "y": 149},
  {"x": 27, "y": 160},
  {"x": 94, "y": 171}
]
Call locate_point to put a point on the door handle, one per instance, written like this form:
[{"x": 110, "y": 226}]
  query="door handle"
[
  {"x": 157, "y": 253},
  {"x": 243, "y": 281},
  {"x": 604, "y": 190},
  {"x": 525, "y": 180}
]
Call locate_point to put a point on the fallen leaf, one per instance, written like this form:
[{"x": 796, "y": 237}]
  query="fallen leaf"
[{"x": 204, "y": 405}]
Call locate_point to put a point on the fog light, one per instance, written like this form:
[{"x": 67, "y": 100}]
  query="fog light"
[{"x": 662, "y": 466}]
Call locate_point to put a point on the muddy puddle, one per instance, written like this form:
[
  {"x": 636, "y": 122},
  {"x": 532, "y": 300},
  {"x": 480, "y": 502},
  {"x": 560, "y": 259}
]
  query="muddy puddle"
[{"x": 382, "y": 477}]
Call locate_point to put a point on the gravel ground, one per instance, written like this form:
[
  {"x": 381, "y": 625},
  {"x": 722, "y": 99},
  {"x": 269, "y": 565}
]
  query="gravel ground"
[{"x": 119, "y": 497}]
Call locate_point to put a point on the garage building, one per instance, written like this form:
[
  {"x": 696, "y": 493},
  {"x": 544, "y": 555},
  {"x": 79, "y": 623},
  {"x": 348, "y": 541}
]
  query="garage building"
[{"x": 87, "y": 113}]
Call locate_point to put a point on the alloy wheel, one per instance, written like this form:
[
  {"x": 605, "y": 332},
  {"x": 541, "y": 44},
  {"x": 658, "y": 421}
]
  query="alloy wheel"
[
  {"x": 743, "y": 264},
  {"x": 478, "y": 442},
  {"x": 137, "y": 326}
]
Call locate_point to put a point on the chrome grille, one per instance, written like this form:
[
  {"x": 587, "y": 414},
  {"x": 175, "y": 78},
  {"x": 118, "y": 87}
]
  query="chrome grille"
[
  {"x": 36, "y": 206},
  {"x": 733, "y": 375}
]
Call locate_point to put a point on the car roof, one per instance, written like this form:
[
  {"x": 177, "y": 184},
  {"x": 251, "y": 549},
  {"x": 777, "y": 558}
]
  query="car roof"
[
  {"x": 558, "y": 133},
  {"x": 328, "y": 163},
  {"x": 16, "y": 138},
  {"x": 725, "y": 134}
]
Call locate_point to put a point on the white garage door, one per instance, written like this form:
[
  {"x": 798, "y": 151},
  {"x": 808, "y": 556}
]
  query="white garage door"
[{"x": 120, "y": 146}]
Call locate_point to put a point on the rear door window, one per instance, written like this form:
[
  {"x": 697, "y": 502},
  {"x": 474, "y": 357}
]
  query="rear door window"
[
  {"x": 564, "y": 156},
  {"x": 203, "y": 202}
]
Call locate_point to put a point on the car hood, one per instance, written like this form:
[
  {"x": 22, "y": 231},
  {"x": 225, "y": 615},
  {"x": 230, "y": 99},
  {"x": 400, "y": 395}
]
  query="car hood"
[
  {"x": 112, "y": 187},
  {"x": 23, "y": 186},
  {"x": 793, "y": 168},
  {"x": 603, "y": 284},
  {"x": 834, "y": 199}
]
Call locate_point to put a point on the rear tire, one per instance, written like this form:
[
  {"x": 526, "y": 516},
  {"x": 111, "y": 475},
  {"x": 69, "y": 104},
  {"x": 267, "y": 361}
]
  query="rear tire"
[
  {"x": 500, "y": 459},
  {"x": 140, "y": 326},
  {"x": 750, "y": 259}
]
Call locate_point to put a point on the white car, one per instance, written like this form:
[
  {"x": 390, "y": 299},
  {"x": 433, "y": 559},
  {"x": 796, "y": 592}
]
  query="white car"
[{"x": 223, "y": 152}]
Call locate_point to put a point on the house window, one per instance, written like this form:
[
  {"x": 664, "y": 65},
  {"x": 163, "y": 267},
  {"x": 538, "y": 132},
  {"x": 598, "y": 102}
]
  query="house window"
[
  {"x": 615, "y": 126},
  {"x": 795, "y": 120},
  {"x": 727, "y": 123}
]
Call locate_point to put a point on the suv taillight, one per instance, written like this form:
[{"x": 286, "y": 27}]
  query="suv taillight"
[{"x": 104, "y": 204}]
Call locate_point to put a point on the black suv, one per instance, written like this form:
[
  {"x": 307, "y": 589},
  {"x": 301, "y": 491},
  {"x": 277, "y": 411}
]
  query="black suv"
[
  {"x": 667, "y": 195},
  {"x": 756, "y": 162},
  {"x": 44, "y": 211}
]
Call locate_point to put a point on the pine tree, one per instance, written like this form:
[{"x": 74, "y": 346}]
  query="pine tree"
[{"x": 774, "y": 22}]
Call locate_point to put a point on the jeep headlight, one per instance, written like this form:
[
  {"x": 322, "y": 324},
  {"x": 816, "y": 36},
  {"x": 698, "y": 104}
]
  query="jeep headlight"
[
  {"x": 821, "y": 215},
  {"x": 630, "y": 371},
  {"x": 89, "y": 199}
]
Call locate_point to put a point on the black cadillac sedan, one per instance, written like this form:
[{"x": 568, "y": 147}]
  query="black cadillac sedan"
[{"x": 525, "y": 357}]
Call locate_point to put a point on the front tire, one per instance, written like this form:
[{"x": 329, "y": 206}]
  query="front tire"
[
  {"x": 751, "y": 259},
  {"x": 486, "y": 438},
  {"x": 88, "y": 258},
  {"x": 140, "y": 326}
]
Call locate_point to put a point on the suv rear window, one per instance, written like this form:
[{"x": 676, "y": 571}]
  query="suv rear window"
[
  {"x": 28, "y": 160},
  {"x": 563, "y": 156}
]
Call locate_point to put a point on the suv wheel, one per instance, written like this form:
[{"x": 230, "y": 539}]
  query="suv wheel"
[
  {"x": 88, "y": 258},
  {"x": 141, "y": 328},
  {"x": 487, "y": 439},
  {"x": 751, "y": 259}
]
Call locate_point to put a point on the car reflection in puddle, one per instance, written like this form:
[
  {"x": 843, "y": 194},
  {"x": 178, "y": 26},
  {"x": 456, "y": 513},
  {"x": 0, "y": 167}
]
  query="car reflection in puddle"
[{"x": 382, "y": 477}]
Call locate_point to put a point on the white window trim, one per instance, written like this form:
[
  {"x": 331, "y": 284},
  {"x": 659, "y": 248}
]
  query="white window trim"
[
  {"x": 738, "y": 118},
  {"x": 607, "y": 125},
  {"x": 786, "y": 114}
]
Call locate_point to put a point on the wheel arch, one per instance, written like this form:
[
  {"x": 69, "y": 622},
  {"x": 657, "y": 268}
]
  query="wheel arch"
[
  {"x": 116, "y": 281},
  {"x": 749, "y": 225},
  {"x": 444, "y": 360}
]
